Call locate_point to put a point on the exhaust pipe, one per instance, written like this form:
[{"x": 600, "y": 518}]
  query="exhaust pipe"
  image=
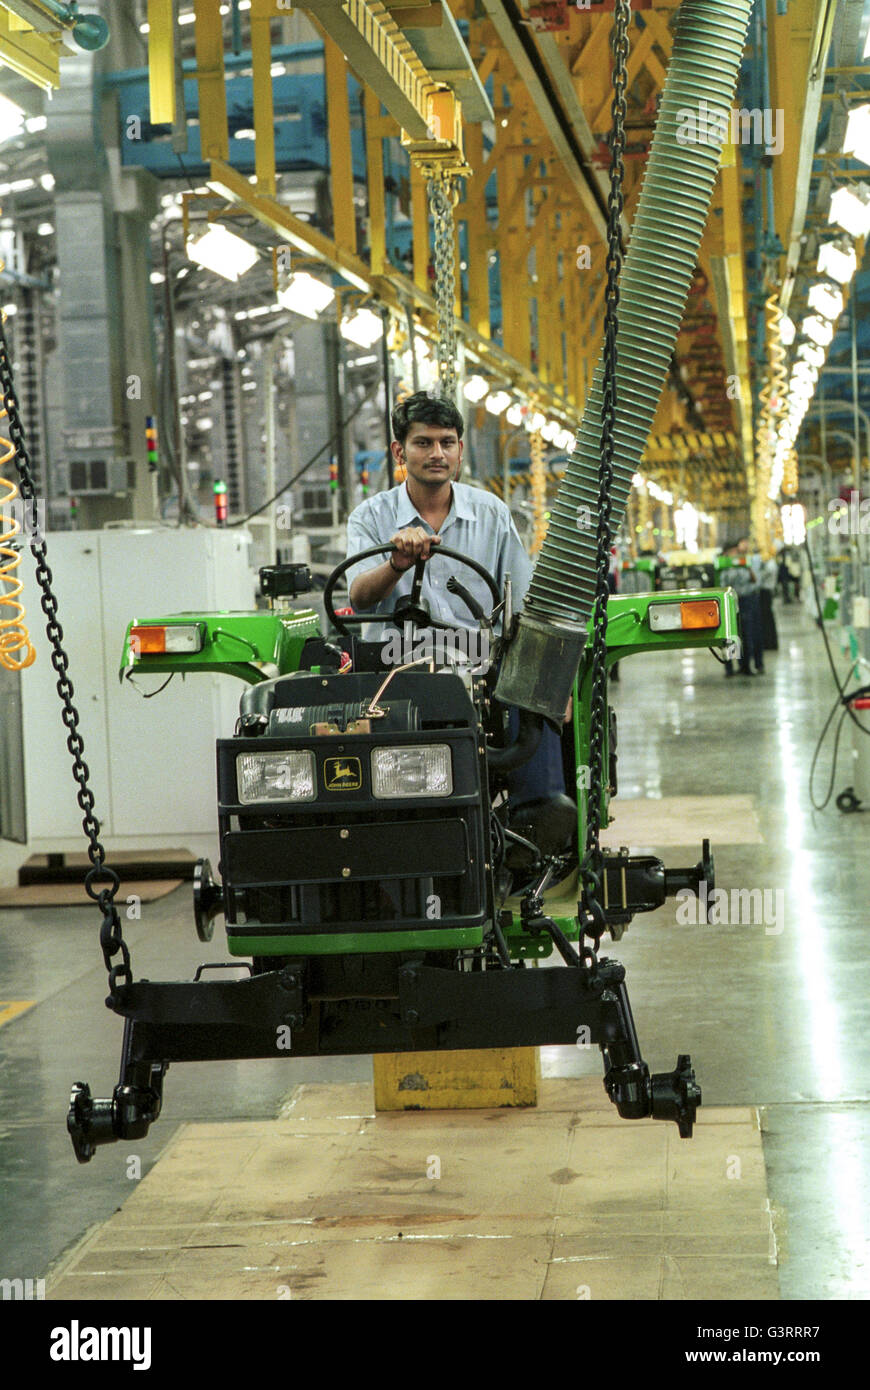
[{"x": 543, "y": 658}]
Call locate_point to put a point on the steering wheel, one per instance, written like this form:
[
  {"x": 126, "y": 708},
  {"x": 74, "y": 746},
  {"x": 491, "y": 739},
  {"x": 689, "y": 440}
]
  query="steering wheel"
[{"x": 408, "y": 607}]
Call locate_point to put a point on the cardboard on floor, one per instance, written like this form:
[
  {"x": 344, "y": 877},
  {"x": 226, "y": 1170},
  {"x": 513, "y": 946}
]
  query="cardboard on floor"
[{"x": 330, "y": 1201}]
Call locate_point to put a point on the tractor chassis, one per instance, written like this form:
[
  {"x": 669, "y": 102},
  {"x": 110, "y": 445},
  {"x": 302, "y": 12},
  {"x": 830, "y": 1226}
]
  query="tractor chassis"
[{"x": 433, "y": 1010}]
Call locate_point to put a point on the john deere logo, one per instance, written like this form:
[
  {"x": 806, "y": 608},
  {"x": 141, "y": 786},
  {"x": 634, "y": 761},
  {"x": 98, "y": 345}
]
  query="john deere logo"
[{"x": 342, "y": 774}]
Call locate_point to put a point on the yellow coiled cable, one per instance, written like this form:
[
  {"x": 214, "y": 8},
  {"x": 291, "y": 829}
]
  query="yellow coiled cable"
[
  {"x": 14, "y": 635},
  {"x": 772, "y": 398},
  {"x": 538, "y": 490}
]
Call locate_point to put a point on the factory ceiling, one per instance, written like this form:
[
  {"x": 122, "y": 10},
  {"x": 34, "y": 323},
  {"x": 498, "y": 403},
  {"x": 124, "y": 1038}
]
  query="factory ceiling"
[{"x": 292, "y": 123}]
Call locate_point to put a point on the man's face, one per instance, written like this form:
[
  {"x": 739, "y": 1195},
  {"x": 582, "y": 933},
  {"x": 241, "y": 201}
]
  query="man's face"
[{"x": 431, "y": 454}]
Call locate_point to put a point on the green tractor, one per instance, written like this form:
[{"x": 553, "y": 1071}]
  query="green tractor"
[{"x": 369, "y": 875}]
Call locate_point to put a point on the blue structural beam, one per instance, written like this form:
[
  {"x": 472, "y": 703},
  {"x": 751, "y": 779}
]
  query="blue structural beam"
[{"x": 299, "y": 96}]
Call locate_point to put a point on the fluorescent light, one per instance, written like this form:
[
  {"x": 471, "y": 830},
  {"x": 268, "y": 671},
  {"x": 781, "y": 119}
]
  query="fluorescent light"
[
  {"x": 363, "y": 328},
  {"x": 794, "y": 527},
  {"x": 819, "y": 330},
  {"x": 807, "y": 369},
  {"x": 222, "y": 252},
  {"x": 497, "y": 402},
  {"x": 245, "y": 134},
  {"x": 850, "y": 209},
  {"x": 814, "y": 355},
  {"x": 536, "y": 422},
  {"x": 157, "y": 277},
  {"x": 47, "y": 181},
  {"x": 857, "y": 141},
  {"x": 565, "y": 440},
  {"x": 475, "y": 388},
  {"x": 45, "y": 229},
  {"x": 836, "y": 263},
  {"x": 549, "y": 431},
  {"x": 787, "y": 331},
  {"x": 10, "y": 310},
  {"x": 306, "y": 295},
  {"x": 828, "y": 302},
  {"x": 11, "y": 119},
  {"x": 515, "y": 416},
  {"x": 34, "y": 124}
]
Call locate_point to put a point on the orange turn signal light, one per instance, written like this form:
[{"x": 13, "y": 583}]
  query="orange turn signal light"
[
  {"x": 699, "y": 613},
  {"x": 159, "y": 639},
  {"x": 148, "y": 641}
]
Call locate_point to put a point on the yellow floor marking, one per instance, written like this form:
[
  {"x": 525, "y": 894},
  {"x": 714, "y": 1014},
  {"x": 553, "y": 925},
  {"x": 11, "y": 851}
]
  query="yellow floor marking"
[{"x": 11, "y": 1008}]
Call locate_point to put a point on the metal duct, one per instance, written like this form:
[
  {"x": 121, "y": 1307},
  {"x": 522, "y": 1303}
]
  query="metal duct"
[{"x": 542, "y": 661}]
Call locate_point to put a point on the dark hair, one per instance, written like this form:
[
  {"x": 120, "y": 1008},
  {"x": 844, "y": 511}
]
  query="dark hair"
[{"x": 421, "y": 408}]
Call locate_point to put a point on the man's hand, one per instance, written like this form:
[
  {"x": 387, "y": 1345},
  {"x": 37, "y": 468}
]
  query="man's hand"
[{"x": 411, "y": 544}]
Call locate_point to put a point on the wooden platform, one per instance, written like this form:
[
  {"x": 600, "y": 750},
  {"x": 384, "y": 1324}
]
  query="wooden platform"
[
  {"x": 74, "y": 895},
  {"x": 329, "y": 1201}
]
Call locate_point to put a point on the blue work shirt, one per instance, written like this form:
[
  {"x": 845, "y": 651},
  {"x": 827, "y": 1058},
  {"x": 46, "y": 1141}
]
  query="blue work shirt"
[{"x": 478, "y": 525}]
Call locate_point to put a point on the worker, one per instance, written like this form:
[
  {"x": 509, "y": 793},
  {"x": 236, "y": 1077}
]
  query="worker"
[
  {"x": 741, "y": 578},
  {"x": 431, "y": 505}
]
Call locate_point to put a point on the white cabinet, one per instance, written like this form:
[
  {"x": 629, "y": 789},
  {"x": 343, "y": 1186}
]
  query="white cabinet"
[{"x": 152, "y": 762}]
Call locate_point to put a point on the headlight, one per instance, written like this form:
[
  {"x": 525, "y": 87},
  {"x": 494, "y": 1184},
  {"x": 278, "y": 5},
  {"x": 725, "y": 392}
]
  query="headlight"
[
  {"x": 424, "y": 770},
  {"x": 275, "y": 777}
]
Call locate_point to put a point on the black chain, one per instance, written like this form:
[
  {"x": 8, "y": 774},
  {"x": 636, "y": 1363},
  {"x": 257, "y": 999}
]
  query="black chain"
[
  {"x": 591, "y": 868},
  {"x": 111, "y": 939}
]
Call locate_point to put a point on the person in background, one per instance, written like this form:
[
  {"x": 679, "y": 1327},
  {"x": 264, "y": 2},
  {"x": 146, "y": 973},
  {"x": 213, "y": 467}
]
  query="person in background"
[
  {"x": 742, "y": 580},
  {"x": 793, "y": 566},
  {"x": 767, "y": 587}
]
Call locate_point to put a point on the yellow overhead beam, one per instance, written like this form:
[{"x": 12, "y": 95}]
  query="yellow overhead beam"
[
  {"x": 380, "y": 55},
  {"x": 264, "y": 110},
  {"x": 338, "y": 125},
  {"x": 213, "y": 128},
  {"x": 34, "y": 56},
  {"x": 161, "y": 61},
  {"x": 375, "y": 181}
]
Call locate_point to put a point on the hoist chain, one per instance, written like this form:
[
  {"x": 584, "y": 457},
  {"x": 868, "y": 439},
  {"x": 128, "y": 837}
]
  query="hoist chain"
[
  {"x": 111, "y": 939},
  {"x": 443, "y": 191},
  {"x": 591, "y": 867}
]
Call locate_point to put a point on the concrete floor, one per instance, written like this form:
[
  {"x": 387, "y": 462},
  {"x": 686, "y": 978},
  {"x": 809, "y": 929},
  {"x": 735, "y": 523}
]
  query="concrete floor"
[{"x": 771, "y": 1017}]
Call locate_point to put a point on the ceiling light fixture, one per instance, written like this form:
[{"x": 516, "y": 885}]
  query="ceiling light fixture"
[
  {"x": 850, "y": 209},
  {"x": 857, "y": 141},
  {"x": 818, "y": 329},
  {"x": 497, "y": 402},
  {"x": 475, "y": 388},
  {"x": 826, "y": 301},
  {"x": 222, "y": 252},
  {"x": 306, "y": 295},
  {"x": 363, "y": 328},
  {"x": 836, "y": 262}
]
